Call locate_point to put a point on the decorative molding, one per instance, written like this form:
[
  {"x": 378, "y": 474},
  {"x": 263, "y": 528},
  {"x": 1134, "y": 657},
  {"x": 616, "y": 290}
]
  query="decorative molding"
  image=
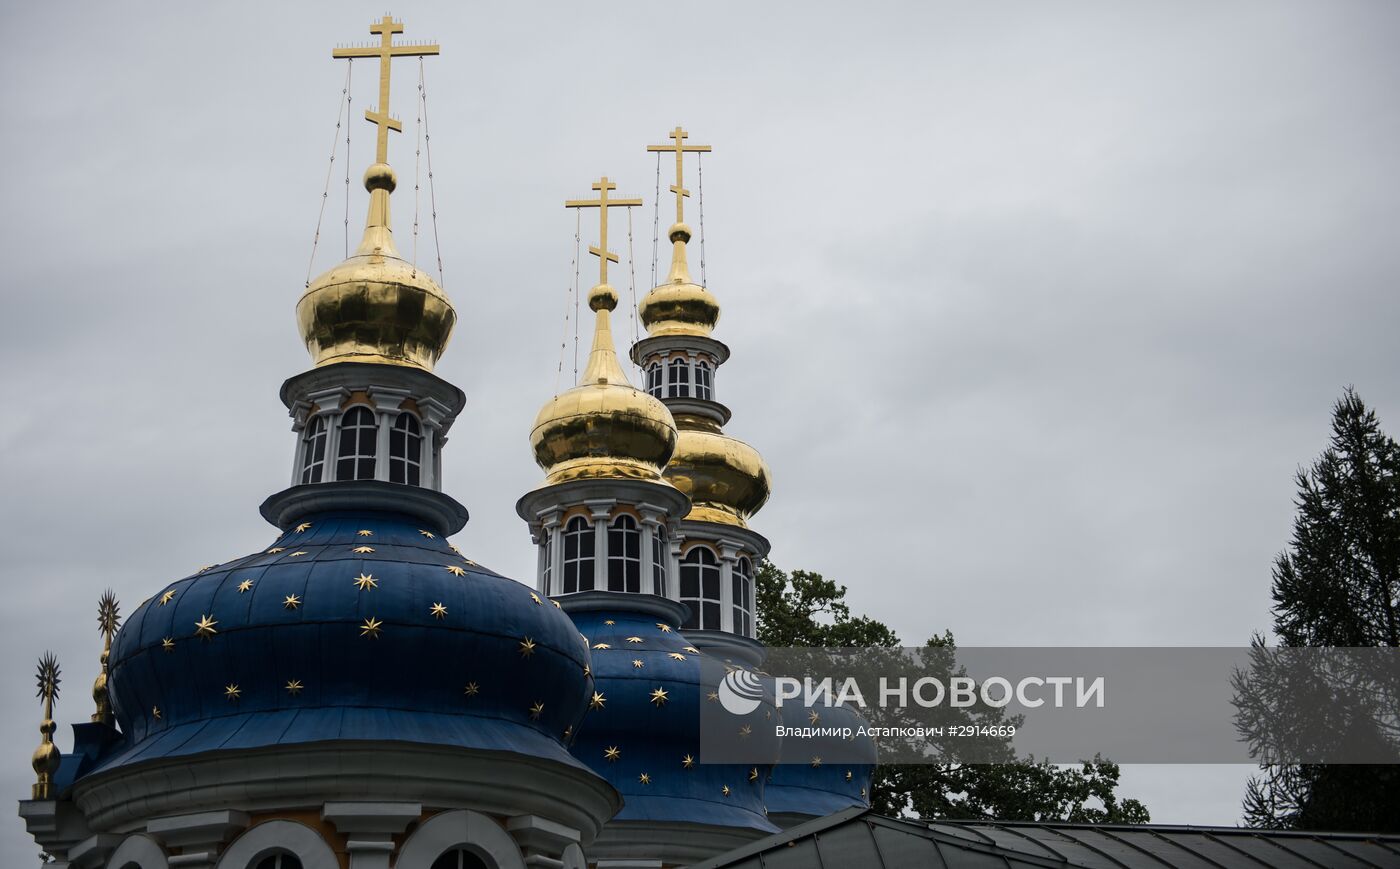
[
  {"x": 276, "y": 835},
  {"x": 141, "y": 849},
  {"x": 459, "y": 828},
  {"x": 434, "y": 508}
]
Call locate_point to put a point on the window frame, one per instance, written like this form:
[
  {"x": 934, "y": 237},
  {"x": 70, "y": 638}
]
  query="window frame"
[
  {"x": 316, "y": 441},
  {"x": 678, "y": 378},
  {"x": 626, "y": 568},
  {"x": 354, "y": 427},
  {"x": 407, "y": 431},
  {"x": 741, "y": 596},
  {"x": 707, "y": 612},
  {"x": 579, "y": 532}
]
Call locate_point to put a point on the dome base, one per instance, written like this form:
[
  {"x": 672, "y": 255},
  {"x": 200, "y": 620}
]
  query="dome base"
[{"x": 441, "y": 512}]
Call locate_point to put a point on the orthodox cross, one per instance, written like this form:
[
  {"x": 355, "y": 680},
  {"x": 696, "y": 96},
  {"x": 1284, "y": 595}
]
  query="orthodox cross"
[
  {"x": 680, "y": 148},
  {"x": 386, "y": 50},
  {"x": 602, "y": 185}
]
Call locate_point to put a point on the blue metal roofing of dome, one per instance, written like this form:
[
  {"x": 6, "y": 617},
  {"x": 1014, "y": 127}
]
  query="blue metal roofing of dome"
[
  {"x": 297, "y": 612},
  {"x": 801, "y": 785},
  {"x": 654, "y": 739}
]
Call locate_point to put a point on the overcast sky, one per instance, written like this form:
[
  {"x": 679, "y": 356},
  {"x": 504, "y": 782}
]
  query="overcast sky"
[{"x": 1034, "y": 308}]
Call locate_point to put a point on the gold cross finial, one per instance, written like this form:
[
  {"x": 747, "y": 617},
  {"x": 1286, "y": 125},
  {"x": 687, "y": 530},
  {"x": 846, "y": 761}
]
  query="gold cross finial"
[
  {"x": 386, "y": 28},
  {"x": 680, "y": 148},
  {"x": 602, "y": 203}
]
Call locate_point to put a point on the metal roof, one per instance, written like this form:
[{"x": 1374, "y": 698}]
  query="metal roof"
[{"x": 858, "y": 837}]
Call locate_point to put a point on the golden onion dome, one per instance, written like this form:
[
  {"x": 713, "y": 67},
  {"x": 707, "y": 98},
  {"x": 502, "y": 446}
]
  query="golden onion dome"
[
  {"x": 604, "y": 428},
  {"x": 376, "y": 306},
  {"x": 679, "y": 306},
  {"x": 726, "y": 479}
]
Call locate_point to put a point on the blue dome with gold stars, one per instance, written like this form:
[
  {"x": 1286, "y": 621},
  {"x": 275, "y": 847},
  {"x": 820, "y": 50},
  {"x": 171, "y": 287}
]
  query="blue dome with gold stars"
[
  {"x": 642, "y": 728},
  {"x": 826, "y": 773},
  {"x": 354, "y": 625}
]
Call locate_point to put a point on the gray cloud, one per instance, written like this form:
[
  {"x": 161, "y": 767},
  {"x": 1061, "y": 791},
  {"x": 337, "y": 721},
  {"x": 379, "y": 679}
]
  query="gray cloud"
[{"x": 1034, "y": 311}]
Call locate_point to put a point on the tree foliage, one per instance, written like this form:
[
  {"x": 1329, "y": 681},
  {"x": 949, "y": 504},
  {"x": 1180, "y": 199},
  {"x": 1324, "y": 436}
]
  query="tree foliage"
[
  {"x": 804, "y": 609},
  {"x": 1337, "y": 585}
]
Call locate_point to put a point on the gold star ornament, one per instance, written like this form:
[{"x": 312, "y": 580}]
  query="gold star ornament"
[
  {"x": 365, "y": 582},
  {"x": 294, "y": 687},
  {"x": 665, "y": 628},
  {"x": 303, "y": 526},
  {"x": 601, "y": 646},
  {"x": 753, "y": 774},
  {"x": 658, "y": 696},
  {"x": 276, "y": 549},
  {"x": 455, "y": 570},
  {"x": 428, "y": 534},
  {"x": 365, "y": 532},
  {"x": 611, "y": 753},
  {"x": 527, "y": 647},
  {"x": 167, "y": 597},
  {"x": 371, "y": 628},
  {"x": 245, "y": 585},
  {"x": 637, "y": 663},
  {"x": 687, "y": 761},
  {"x": 232, "y": 692},
  {"x": 205, "y": 626},
  {"x": 291, "y": 601},
  {"x": 725, "y": 790},
  {"x": 472, "y": 689},
  {"x": 597, "y": 701},
  {"x": 167, "y": 644},
  {"x": 634, "y": 640},
  {"x": 644, "y": 779},
  {"x": 297, "y": 554},
  {"x": 676, "y": 656},
  {"x": 536, "y": 710},
  {"x": 438, "y": 611},
  {"x": 362, "y": 550},
  {"x": 155, "y": 712}
]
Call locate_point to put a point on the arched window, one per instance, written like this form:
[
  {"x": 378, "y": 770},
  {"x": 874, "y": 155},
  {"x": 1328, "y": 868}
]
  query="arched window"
[
  {"x": 405, "y": 450},
  {"x": 313, "y": 458},
  {"x": 578, "y": 555},
  {"x": 459, "y": 858},
  {"x": 700, "y": 588},
  {"x": 679, "y": 374},
  {"x": 703, "y": 382},
  {"x": 742, "y": 582},
  {"x": 358, "y": 436},
  {"x": 658, "y": 560},
  {"x": 654, "y": 380},
  {"x": 625, "y": 555},
  {"x": 280, "y": 860}
]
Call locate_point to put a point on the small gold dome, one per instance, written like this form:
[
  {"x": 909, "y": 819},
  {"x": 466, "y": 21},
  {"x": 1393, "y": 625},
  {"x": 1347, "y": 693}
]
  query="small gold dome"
[
  {"x": 679, "y": 306},
  {"x": 726, "y": 479},
  {"x": 376, "y": 306},
  {"x": 604, "y": 428}
]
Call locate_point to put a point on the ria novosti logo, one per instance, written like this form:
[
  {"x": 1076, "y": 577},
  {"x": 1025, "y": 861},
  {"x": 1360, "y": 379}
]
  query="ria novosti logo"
[{"x": 740, "y": 692}]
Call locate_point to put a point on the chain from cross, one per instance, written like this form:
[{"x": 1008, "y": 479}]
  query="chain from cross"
[
  {"x": 602, "y": 203},
  {"x": 681, "y": 149},
  {"x": 385, "y": 51}
]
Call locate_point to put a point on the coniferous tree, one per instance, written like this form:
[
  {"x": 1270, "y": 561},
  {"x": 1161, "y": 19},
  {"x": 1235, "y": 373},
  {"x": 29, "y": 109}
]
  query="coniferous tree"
[
  {"x": 803, "y": 609},
  {"x": 1337, "y": 585}
]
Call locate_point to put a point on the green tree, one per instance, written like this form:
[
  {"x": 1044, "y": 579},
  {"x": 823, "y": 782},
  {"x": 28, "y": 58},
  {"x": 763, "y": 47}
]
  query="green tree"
[
  {"x": 803, "y": 609},
  {"x": 1337, "y": 585}
]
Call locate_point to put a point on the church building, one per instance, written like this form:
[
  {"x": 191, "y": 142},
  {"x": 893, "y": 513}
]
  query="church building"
[{"x": 359, "y": 694}]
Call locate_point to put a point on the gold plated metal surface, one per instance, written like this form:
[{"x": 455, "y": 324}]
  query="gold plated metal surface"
[
  {"x": 108, "y": 620},
  {"x": 681, "y": 149},
  {"x": 679, "y": 306},
  {"x": 47, "y": 756},
  {"x": 726, "y": 479},
  {"x": 376, "y": 306},
  {"x": 385, "y": 51},
  {"x": 604, "y": 428}
]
